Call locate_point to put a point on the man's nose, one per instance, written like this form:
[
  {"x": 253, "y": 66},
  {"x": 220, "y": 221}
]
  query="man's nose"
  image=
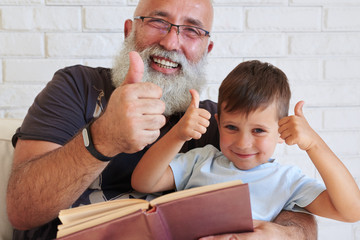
[{"x": 171, "y": 41}]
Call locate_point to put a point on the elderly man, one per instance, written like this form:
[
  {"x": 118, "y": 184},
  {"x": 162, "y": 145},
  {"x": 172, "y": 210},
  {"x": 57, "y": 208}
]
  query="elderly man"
[{"x": 86, "y": 131}]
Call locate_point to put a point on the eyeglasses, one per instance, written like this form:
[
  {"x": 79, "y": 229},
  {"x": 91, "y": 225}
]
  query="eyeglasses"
[{"x": 162, "y": 27}]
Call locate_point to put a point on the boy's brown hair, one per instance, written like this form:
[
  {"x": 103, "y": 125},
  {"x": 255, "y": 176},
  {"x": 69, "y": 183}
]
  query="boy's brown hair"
[{"x": 253, "y": 85}]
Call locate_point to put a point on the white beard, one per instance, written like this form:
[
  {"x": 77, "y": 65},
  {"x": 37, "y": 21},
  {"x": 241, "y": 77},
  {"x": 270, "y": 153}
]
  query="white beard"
[{"x": 175, "y": 87}]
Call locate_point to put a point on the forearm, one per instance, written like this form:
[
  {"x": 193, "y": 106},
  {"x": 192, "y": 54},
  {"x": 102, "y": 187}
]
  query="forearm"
[
  {"x": 296, "y": 226},
  {"x": 341, "y": 186},
  {"x": 40, "y": 187},
  {"x": 154, "y": 164}
]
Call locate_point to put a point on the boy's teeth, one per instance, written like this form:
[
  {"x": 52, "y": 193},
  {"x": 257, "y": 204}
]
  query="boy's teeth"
[{"x": 165, "y": 64}]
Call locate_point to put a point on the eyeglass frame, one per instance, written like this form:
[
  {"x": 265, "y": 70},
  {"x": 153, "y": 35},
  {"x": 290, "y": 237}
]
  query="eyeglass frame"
[{"x": 207, "y": 33}]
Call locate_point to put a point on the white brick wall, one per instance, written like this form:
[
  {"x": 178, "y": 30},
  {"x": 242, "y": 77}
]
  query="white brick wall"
[{"x": 316, "y": 43}]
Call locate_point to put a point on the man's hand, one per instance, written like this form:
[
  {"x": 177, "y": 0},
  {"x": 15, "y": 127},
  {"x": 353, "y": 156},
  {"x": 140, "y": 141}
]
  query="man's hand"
[
  {"x": 195, "y": 120},
  {"x": 133, "y": 116},
  {"x": 262, "y": 231},
  {"x": 288, "y": 225}
]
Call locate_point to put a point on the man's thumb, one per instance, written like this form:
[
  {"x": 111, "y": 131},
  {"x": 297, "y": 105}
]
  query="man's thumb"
[
  {"x": 195, "y": 98},
  {"x": 136, "y": 69},
  {"x": 298, "y": 109}
]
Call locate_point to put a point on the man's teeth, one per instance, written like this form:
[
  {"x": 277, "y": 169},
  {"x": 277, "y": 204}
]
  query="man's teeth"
[{"x": 165, "y": 64}]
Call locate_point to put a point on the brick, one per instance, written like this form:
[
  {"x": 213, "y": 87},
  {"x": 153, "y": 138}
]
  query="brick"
[
  {"x": 106, "y": 18},
  {"x": 34, "y": 70},
  {"x": 228, "y": 19},
  {"x": 20, "y": 2},
  {"x": 329, "y": 44},
  {"x": 342, "y": 69},
  {"x": 1, "y": 72},
  {"x": 83, "y": 44},
  {"x": 342, "y": 118},
  {"x": 132, "y": 2},
  {"x": 12, "y": 21},
  {"x": 327, "y": 94},
  {"x": 15, "y": 96},
  {"x": 342, "y": 19},
  {"x": 22, "y": 44},
  {"x": 218, "y": 68},
  {"x": 57, "y": 18},
  {"x": 335, "y": 140},
  {"x": 300, "y": 69},
  {"x": 86, "y": 2},
  {"x": 211, "y": 91},
  {"x": 283, "y": 19},
  {"x": 250, "y": 45},
  {"x": 249, "y": 2},
  {"x": 324, "y": 2}
]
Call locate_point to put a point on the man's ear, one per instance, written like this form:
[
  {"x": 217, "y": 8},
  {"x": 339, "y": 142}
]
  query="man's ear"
[
  {"x": 210, "y": 47},
  {"x": 127, "y": 27}
]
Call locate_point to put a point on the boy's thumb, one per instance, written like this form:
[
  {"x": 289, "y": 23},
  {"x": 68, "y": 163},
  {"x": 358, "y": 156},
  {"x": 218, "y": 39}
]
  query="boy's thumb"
[
  {"x": 136, "y": 69},
  {"x": 298, "y": 111}
]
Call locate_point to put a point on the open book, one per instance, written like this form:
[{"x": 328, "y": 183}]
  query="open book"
[{"x": 188, "y": 214}]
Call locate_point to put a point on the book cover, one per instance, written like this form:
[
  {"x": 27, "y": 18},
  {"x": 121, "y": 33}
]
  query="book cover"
[{"x": 188, "y": 214}]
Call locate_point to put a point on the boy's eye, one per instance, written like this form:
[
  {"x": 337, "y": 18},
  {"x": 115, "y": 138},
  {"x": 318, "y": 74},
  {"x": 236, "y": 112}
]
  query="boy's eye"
[
  {"x": 258, "y": 130},
  {"x": 231, "y": 127}
]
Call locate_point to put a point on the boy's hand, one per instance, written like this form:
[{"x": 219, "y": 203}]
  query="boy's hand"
[
  {"x": 195, "y": 120},
  {"x": 296, "y": 130}
]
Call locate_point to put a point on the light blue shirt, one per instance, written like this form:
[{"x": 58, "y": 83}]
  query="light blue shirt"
[{"x": 273, "y": 187}]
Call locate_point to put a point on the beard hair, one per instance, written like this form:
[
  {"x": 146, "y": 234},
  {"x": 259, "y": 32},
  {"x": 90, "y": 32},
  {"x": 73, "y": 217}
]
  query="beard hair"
[{"x": 175, "y": 87}]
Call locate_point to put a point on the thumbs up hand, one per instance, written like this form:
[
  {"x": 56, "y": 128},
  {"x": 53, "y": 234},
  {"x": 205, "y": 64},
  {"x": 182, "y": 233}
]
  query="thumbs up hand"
[
  {"x": 194, "y": 122},
  {"x": 296, "y": 130},
  {"x": 134, "y": 114}
]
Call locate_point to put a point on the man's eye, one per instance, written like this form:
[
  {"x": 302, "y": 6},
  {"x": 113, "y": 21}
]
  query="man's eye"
[
  {"x": 191, "y": 31},
  {"x": 158, "y": 23}
]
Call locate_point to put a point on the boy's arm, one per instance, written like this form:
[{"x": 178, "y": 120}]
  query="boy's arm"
[
  {"x": 153, "y": 174},
  {"x": 341, "y": 200}
]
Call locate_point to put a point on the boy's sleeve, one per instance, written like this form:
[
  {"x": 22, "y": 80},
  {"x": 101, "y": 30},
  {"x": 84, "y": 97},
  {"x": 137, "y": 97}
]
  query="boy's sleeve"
[
  {"x": 304, "y": 191},
  {"x": 183, "y": 165}
]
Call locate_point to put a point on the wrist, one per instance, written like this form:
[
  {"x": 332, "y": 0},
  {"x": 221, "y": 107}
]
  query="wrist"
[{"x": 94, "y": 149}]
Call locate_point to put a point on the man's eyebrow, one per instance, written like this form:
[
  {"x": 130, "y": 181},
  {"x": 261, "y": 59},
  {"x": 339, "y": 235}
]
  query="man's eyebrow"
[{"x": 188, "y": 21}]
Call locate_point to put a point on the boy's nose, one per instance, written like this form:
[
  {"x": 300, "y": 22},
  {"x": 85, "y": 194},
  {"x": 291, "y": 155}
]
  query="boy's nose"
[{"x": 243, "y": 140}]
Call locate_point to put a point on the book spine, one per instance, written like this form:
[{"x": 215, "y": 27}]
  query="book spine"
[{"x": 159, "y": 228}]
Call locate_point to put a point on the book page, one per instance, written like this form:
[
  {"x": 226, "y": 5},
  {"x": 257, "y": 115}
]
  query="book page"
[
  {"x": 100, "y": 218},
  {"x": 193, "y": 191},
  {"x": 74, "y": 214}
]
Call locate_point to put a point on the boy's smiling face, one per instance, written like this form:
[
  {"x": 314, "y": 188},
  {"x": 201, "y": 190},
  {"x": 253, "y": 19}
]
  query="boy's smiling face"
[{"x": 249, "y": 141}]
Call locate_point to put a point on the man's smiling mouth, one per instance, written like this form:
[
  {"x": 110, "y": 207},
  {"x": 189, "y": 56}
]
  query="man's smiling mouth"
[{"x": 165, "y": 63}]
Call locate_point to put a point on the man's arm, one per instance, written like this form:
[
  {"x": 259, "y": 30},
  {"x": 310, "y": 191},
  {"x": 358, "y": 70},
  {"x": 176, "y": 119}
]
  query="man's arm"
[
  {"x": 287, "y": 226},
  {"x": 47, "y": 177}
]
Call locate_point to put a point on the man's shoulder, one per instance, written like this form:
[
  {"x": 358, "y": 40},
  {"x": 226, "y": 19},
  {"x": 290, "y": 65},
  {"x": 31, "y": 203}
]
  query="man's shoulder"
[{"x": 84, "y": 77}]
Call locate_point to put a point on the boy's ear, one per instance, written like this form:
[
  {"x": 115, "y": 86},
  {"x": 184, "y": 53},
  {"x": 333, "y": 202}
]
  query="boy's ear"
[{"x": 217, "y": 118}]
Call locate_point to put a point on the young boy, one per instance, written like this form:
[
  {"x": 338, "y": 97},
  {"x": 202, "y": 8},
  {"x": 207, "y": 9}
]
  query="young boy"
[{"x": 252, "y": 118}]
